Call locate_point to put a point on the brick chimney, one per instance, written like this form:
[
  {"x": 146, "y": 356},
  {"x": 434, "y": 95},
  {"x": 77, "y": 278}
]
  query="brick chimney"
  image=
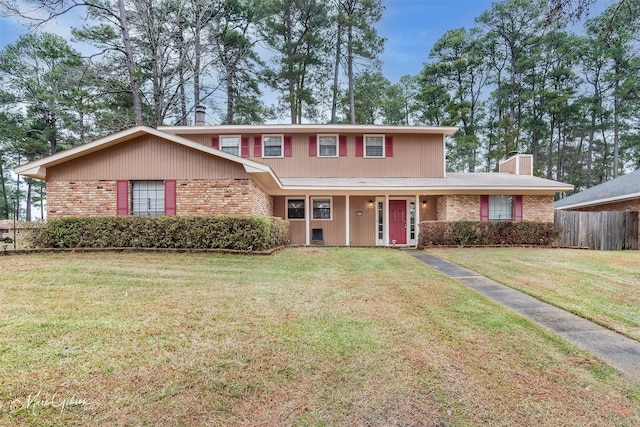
[{"x": 200, "y": 114}]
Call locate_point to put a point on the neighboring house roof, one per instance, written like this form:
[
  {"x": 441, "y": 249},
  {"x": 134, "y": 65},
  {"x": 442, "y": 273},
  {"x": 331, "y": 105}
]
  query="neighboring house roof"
[
  {"x": 468, "y": 183},
  {"x": 38, "y": 168},
  {"x": 622, "y": 188}
]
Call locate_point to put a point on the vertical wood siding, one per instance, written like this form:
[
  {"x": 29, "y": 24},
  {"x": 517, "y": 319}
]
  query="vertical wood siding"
[
  {"x": 363, "y": 228},
  {"x": 412, "y": 156},
  {"x": 147, "y": 157}
]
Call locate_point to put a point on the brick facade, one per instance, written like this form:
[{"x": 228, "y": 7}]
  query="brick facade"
[
  {"x": 193, "y": 197},
  {"x": 228, "y": 196},
  {"x": 467, "y": 208},
  {"x": 537, "y": 208},
  {"x": 81, "y": 198},
  {"x": 459, "y": 208}
]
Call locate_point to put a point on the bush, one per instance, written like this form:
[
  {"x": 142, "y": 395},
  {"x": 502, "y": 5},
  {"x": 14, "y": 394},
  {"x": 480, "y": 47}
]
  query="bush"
[
  {"x": 214, "y": 232},
  {"x": 483, "y": 233},
  {"x": 6, "y": 240}
]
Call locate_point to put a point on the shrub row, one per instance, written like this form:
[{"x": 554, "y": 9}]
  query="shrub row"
[
  {"x": 214, "y": 232},
  {"x": 483, "y": 233}
]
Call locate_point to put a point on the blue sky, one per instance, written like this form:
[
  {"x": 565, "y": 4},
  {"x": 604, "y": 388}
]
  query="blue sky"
[{"x": 410, "y": 27}]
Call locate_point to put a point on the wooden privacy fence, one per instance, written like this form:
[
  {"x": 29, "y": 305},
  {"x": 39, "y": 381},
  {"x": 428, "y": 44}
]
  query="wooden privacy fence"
[{"x": 607, "y": 230}]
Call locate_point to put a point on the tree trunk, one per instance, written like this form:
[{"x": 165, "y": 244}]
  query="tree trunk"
[
  {"x": 336, "y": 75},
  {"x": 128, "y": 50}
]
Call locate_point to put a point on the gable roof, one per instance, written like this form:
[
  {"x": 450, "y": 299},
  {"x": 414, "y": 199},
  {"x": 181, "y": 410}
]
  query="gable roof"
[
  {"x": 622, "y": 188},
  {"x": 38, "y": 168}
]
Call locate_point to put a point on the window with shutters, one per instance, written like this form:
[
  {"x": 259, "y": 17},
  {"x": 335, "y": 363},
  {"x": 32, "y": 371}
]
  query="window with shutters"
[
  {"x": 374, "y": 145},
  {"x": 147, "y": 198},
  {"x": 230, "y": 144},
  {"x": 272, "y": 146},
  {"x": 327, "y": 145}
]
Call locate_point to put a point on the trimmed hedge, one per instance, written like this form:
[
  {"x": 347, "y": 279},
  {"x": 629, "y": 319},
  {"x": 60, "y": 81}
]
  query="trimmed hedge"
[
  {"x": 483, "y": 233},
  {"x": 213, "y": 232}
]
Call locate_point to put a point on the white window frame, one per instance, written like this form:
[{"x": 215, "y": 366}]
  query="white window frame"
[
  {"x": 364, "y": 146},
  {"x": 286, "y": 208},
  {"x": 337, "y": 144},
  {"x": 492, "y": 201},
  {"x": 281, "y": 136},
  {"x": 237, "y": 138},
  {"x": 311, "y": 208}
]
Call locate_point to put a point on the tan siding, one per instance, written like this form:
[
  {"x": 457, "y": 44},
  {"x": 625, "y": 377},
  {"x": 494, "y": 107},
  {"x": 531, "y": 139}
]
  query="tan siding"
[
  {"x": 428, "y": 213},
  {"x": 509, "y": 166},
  {"x": 363, "y": 228},
  {"x": 333, "y": 230},
  {"x": 525, "y": 165},
  {"x": 147, "y": 157},
  {"x": 413, "y": 156}
]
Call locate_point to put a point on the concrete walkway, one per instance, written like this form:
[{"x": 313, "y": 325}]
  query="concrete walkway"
[{"x": 617, "y": 350}]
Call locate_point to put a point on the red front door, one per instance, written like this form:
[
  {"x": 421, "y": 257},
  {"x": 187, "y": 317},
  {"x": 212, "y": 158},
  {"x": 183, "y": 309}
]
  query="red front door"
[{"x": 398, "y": 222}]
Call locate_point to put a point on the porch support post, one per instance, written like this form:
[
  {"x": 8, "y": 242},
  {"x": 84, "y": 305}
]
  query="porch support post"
[
  {"x": 386, "y": 220},
  {"x": 347, "y": 221},
  {"x": 307, "y": 220},
  {"x": 418, "y": 207}
]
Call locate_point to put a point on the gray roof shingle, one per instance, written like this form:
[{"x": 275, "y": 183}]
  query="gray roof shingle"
[{"x": 623, "y": 187}]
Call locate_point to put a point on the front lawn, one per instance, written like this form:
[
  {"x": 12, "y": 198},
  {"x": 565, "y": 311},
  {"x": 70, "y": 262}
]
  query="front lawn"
[
  {"x": 602, "y": 286},
  {"x": 304, "y": 337}
]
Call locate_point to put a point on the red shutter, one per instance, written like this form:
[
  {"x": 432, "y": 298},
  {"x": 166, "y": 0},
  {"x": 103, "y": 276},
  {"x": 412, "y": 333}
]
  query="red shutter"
[
  {"x": 388, "y": 146},
  {"x": 122, "y": 198},
  {"x": 517, "y": 208},
  {"x": 343, "y": 145},
  {"x": 257, "y": 146},
  {"x": 359, "y": 146},
  {"x": 484, "y": 208},
  {"x": 313, "y": 146},
  {"x": 244, "y": 147},
  {"x": 170, "y": 197},
  {"x": 215, "y": 142},
  {"x": 287, "y": 146}
]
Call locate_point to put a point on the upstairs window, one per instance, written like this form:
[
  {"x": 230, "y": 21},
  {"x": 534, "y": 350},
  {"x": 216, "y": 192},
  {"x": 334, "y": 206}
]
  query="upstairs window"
[
  {"x": 230, "y": 144},
  {"x": 147, "y": 198},
  {"x": 295, "y": 208},
  {"x": 327, "y": 146},
  {"x": 272, "y": 146},
  {"x": 374, "y": 146}
]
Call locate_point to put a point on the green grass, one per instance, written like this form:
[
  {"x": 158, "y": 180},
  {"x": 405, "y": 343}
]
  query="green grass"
[
  {"x": 307, "y": 337},
  {"x": 602, "y": 286}
]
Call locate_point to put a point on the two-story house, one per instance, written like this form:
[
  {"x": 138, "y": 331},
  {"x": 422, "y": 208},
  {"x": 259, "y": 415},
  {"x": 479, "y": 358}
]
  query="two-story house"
[{"x": 359, "y": 185}]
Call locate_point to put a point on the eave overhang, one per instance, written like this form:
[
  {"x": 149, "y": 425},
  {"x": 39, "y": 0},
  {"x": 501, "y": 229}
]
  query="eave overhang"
[
  {"x": 599, "y": 202},
  {"x": 309, "y": 129}
]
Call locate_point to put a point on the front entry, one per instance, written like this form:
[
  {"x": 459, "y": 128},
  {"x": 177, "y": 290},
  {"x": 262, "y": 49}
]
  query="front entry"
[{"x": 398, "y": 222}]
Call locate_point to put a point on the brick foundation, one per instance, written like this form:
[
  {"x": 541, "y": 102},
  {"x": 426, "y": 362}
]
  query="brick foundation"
[{"x": 193, "y": 197}]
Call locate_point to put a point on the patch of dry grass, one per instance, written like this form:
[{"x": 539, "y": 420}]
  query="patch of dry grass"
[
  {"x": 305, "y": 337},
  {"x": 602, "y": 286}
]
